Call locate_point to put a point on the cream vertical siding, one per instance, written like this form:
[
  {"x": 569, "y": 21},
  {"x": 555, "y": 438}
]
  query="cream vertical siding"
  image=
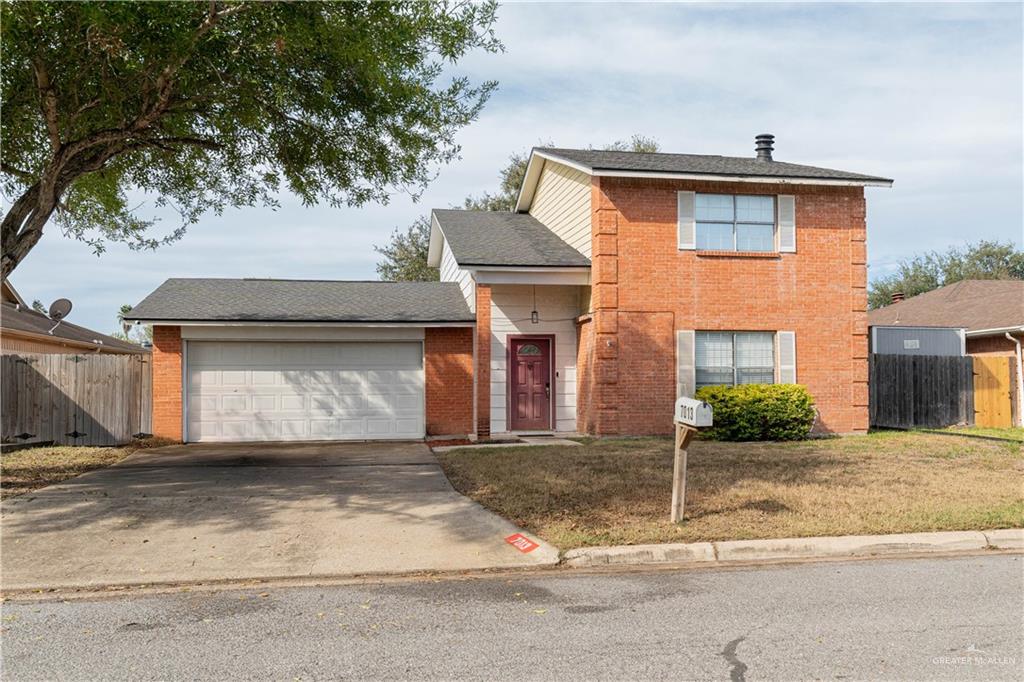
[
  {"x": 558, "y": 306},
  {"x": 562, "y": 203},
  {"x": 451, "y": 272}
]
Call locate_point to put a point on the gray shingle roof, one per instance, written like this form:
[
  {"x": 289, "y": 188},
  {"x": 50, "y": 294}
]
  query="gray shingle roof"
[
  {"x": 500, "y": 238},
  {"x": 600, "y": 160},
  {"x": 974, "y": 304},
  {"x": 283, "y": 300},
  {"x": 18, "y": 318}
]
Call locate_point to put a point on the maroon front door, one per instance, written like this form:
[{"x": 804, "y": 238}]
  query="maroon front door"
[{"x": 530, "y": 390}]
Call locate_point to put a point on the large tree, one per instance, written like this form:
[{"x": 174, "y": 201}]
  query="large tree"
[
  {"x": 210, "y": 105},
  {"x": 924, "y": 272},
  {"x": 404, "y": 258}
]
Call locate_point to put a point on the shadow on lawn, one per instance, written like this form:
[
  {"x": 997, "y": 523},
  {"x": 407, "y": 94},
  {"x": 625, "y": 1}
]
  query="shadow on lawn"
[{"x": 979, "y": 436}]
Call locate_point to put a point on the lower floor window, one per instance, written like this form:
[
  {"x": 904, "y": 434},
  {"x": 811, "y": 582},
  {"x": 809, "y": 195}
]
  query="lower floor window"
[{"x": 732, "y": 358}]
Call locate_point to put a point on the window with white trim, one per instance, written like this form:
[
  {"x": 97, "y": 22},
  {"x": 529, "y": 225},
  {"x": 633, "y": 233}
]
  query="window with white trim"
[
  {"x": 733, "y": 358},
  {"x": 735, "y": 222}
]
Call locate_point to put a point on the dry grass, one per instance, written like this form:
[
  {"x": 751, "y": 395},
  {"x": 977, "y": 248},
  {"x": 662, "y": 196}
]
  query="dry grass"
[
  {"x": 23, "y": 471},
  {"x": 618, "y": 491}
]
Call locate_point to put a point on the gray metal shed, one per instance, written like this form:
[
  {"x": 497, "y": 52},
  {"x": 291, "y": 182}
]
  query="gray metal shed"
[{"x": 900, "y": 340}]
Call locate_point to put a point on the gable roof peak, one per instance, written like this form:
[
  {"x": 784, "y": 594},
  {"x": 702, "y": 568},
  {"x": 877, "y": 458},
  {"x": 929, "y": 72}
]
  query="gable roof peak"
[{"x": 668, "y": 165}]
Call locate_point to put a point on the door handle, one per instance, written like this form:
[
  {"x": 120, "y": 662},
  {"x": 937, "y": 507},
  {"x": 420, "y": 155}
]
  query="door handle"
[{"x": 547, "y": 390}]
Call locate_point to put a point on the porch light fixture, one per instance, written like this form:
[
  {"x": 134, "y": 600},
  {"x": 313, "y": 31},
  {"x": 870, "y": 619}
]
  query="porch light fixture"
[{"x": 534, "y": 315}]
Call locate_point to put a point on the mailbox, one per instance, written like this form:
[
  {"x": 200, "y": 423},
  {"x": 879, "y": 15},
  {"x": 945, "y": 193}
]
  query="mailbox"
[{"x": 695, "y": 413}]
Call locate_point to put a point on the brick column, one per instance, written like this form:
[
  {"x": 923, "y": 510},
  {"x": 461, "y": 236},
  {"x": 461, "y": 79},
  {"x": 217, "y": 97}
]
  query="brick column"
[
  {"x": 449, "y": 379},
  {"x": 859, "y": 306},
  {"x": 483, "y": 360},
  {"x": 167, "y": 389},
  {"x": 604, "y": 292}
]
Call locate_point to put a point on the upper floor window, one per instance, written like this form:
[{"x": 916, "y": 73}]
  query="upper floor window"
[
  {"x": 735, "y": 222},
  {"x": 733, "y": 358}
]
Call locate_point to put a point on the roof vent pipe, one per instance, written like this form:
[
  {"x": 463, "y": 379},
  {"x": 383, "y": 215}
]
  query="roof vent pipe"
[{"x": 764, "y": 145}]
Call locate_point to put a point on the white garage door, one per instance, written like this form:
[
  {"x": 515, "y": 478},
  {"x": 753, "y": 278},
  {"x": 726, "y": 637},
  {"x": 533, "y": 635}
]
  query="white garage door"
[{"x": 250, "y": 391}]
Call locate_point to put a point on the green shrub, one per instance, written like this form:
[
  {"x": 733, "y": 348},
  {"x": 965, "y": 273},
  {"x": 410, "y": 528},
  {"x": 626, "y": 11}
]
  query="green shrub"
[{"x": 759, "y": 411}]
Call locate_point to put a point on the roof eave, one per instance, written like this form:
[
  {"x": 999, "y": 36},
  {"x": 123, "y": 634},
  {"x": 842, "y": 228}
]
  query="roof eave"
[
  {"x": 772, "y": 179},
  {"x": 303, "y": 323},
  {"x": 525, "y": 268},
  {"x": 532, "y": 176},
  {"x": 436, "y": 244},
  {"x": 74, "y": 343},
  {"x": 533, "y": 169},
  {"x": 14, "y": 292},
  {"x": 995, "y": 331}
]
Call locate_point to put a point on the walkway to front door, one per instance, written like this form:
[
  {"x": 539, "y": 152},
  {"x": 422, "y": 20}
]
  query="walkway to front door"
[{"x": 530, "y": 383}]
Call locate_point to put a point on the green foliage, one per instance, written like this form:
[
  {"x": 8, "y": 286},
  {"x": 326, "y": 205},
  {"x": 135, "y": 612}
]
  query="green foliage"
[
  {"x": 405, "y": 257},
  {"x": 983, "y": 260},
  {"x": 130, "y": 332},
  {"x": 759, "y": 411},
  {"x": 212, "y": 105},
  {"x": 38, "y": 306},
  {"x": 637, "y": 143},
  {"x": 508, "y": 187}
]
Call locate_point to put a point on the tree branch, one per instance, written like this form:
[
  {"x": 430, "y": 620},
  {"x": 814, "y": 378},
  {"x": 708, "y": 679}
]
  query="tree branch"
[
  {"x": 84, "y": 108},
  {"x": 190, "y": 141},
  {"x": 17, "y": 172},
  {"x": 165, "y": 81},
  {"x": 47, "y": 101}
]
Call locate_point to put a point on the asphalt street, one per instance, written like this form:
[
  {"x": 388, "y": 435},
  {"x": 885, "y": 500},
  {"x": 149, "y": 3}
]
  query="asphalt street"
[{"x": 942, "y": 618}]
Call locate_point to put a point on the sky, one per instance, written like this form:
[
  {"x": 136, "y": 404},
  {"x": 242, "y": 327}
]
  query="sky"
[{"x": 927, "y": 94}]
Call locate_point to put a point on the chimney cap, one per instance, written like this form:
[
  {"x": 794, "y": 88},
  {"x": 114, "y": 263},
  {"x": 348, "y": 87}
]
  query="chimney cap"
[{"x": 764, "y": 144}]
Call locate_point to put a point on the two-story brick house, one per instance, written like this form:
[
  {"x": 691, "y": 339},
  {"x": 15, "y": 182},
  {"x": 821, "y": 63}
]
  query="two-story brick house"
[{"x": 621, "y": 281}]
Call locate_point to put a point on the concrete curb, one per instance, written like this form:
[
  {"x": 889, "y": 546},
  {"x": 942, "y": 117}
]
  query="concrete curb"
[
  {"x": 1006, "y": 538},
  {"x": 798, "y": 548}
]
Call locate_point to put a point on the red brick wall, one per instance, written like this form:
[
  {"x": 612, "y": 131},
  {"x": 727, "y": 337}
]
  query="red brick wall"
[
  {"x": 483, "y": 360},
  {"x": 640, "y": 279},
  {"x": 646, "y": 368},
  {"x": 449, "y": 380},
  {"x": 167, "y": 382},
  {"x": 991, "y": 345}
]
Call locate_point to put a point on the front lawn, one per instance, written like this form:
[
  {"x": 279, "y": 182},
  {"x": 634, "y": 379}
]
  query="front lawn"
[
  {"x": 23, "y": 471},
  {"x": 617, "y": 491}
]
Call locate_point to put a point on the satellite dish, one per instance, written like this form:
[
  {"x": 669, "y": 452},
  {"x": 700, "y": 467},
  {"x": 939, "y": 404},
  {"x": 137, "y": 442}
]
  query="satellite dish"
[{"x": 59, "y": 309}]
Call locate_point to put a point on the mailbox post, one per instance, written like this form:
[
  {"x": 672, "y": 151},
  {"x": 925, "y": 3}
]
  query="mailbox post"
[{"x": 691, "y": 415}]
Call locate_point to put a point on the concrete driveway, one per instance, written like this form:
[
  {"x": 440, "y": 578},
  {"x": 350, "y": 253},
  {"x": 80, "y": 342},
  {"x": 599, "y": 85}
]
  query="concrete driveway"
[{"x": 242, "y": 511}]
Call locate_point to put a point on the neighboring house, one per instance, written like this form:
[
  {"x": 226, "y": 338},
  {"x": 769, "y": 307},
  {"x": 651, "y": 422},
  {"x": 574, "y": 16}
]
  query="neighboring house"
[
  {"x": 23, "y": 330},
  {"x": 621, "y": 281},
  {"x": 990, "y": 311}
]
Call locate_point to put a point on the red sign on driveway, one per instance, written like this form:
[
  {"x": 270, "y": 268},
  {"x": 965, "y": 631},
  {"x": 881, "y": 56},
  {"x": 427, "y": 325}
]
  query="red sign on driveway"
[{"x": 522, "y": 543}]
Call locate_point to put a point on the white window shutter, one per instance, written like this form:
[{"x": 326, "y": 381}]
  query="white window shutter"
[
  {"x": 686, "y": 364},
  {"x": 787, "y": 223},
  {"x": 787, "y": 357},
  {"x": 687, "y": 219}
]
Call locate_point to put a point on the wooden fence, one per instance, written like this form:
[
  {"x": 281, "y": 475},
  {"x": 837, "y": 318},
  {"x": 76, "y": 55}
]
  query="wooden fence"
[
  {"x": 993, "y": 382},
  {"x": 86, "y": 399},
  {"x": 921, "y": 391}
]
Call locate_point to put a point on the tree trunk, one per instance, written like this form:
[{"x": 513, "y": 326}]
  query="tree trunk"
[{"x": 23, "y": 226}]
